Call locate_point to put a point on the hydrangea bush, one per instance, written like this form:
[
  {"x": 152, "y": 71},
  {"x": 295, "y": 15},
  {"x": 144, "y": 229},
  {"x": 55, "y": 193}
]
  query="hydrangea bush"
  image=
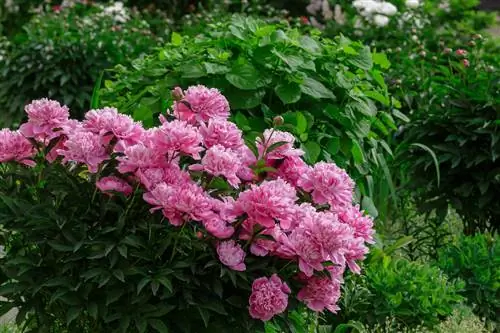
[{"x": 109, "y": 226}]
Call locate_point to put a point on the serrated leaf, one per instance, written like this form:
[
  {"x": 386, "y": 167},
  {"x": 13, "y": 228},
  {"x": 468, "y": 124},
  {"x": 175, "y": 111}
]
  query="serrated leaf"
[
  {"x": 363, "y": 59},
  {"x": 289, "y": 92},
  {"x": 315, "y": 89},
  {"x": 312, "y": 150},
  {"x": 244, "y": 76}
]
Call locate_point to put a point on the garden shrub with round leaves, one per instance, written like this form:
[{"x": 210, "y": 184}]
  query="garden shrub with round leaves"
[
  {"x": 61, "y": 54},
  {"x": 476, "y": 260},
  {"x": 331, "y": 93}
]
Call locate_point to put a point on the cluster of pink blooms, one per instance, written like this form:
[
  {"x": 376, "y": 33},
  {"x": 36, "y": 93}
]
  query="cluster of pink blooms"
[{"x": 298, "y": 213}]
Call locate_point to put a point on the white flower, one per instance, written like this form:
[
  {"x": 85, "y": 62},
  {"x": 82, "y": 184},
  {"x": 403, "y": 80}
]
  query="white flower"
[
  {"x": 387, "y": 8},
  {"x": 380, "y": 20},
  {"x": 412, "y": 3}
]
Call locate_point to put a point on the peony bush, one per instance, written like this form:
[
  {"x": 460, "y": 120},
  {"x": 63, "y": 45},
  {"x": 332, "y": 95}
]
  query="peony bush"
[{"x": 225, "y": 233}]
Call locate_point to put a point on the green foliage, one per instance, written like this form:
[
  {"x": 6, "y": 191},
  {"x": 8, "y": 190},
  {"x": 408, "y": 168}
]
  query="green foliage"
[
  {"x": 476, "y": 260},
  {"x": 331, "y": 93},
  {"x": 60, "y": 55},
  {"x": 413, "y": 293}
]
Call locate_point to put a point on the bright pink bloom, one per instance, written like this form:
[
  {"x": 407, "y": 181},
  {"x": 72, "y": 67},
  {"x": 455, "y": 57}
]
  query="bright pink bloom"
[
  {"x": 232, "y": 255},
  {"x": 271, "y": 137},
  {"x": 247, "y": 159},
  {"x": 15, "y": 147},
  {"x": 221, "y": 132},
  {"x": 269, "y": 297},
  {"x": 219, "y": 161},
  {"x": 217, "y": 226},
  {"x": 361, "y": 224},
  {"x": 170, "y": 174},
  {"x": 329, "y": 184},
  {"x": 112, "y": 183},
  {"x": 461, "y": 53},
  {"x": 180, "y": 203},
  {"x": 320, "y": 293},
  {"x": 466, "y": 63},
  {"x": 308, "y": 249},
  {"x": 176, "y": 136},
  {"x": 291, "y": 169},
  {"x": 355, "y": 250},
  {"x": 107, "y": 122},
  {"x": 201, "y": 104},
  {"x": 45, "y": 119},
  {"x": 267, "y": 202},
  {"x": 140, "y": 156},
  {"x": 84, "y": 147}
]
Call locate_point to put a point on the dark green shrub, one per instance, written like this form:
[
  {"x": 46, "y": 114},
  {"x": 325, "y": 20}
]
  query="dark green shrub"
[
  {"x": 331, "y": 93},
  {"x": 61, "y": 55},
  {"x": 476, "y": 260}
]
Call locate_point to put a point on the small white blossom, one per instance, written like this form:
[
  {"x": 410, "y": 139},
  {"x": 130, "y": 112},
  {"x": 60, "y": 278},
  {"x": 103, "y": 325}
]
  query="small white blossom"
[
  {"x": 380, "y": 20},
  {"x": 412, "y": 3}
]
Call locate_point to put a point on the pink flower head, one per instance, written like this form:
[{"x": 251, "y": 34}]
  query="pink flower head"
[
  {"x": 219, "y": 161},
  {"x": 180, "y": 203},
  {"x": 107, "y": 122},
  {"x": 269, "y": 297},
  {"x": 329, "y": 184},
  {"x": 170, "y": 174},
  {"x": 139, "y": 156},
  {"x": 267, "y": 202},
  {"x": 217, "y": 226},
  {"x": 355, "y": 250},
  {"x": 112, "y": 183},
  {"x": 271, "y": 137},
  {"x": 291, "y": 169},
  {"x": 176, "y": 136},
  {"x": 232, "y": 255},
  {"x": 466, "y": 63},
  {"x": 84, "y": 147},
  {"x": 247, "y": 159},
  {"x": 320, "y": 293},
  {"x": 15, "y": 147},
  {"x": 360, "y": 223},
  {"x": 201, "y": 104},
  {"x": 461, "y": 53},
  {"x": 308, "y": 249},
  {"x": 45, "y": 119},
  {"x": 221, "y": 132}
]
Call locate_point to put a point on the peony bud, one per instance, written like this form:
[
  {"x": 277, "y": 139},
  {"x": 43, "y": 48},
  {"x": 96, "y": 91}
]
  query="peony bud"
[
  {"x": 177, "y": 94},
  {"x": 465, "y": 62},
  {"x": 461, "y": 53},
  {"x": 477, "y": 36},
  {"x": 447, "y": 50},
  {"x": 434, "y": 58},
  {"x": 278, "y": 121},
  {"x": 422, "y": 54},
  {"x": 398, "y": 49},
  {"x": 472, "y": 43}
]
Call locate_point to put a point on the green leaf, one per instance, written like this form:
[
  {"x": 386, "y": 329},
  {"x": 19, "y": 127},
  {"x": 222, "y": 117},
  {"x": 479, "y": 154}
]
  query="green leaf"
[
  {"x": 213, "y": 68},
  {"x": 301, "y": 123},
  {"x": 315, "y": 89},
  {"x": 363, "y": 60},
  {"x": 400, "y": 115},
  {"x": 245, "y": 99},
  {"x": 434, "y": 158},
  {"x": 244, "y": 76},
  {"x": 288, "y": 92},
  {"x": 205, "y": 315},
  {"x": 158, "y": 325},
  {"x": 142, "y": 284},
  {"x": 176, "y": 39},
  {"x": 381, "y": 60},
  {"x": 72, "y": 314},
  {"x": 275, "y": 146},
  {"x": 333, "y": 145},
  {"x": 155, "y": 285},
  {"x": 192, "y": 71},
  {"x": 312, "y": 150},
  {"x": 166, "y": 283},
  {"x": 357, "y": 152},
  {"x": 368, "y": 205},
  {"x": 94, "y": 101},
  {"x": 378, "y": 97}
]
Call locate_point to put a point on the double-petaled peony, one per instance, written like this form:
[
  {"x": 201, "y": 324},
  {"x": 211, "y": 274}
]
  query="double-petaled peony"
[
  {"x": 219, "y": 161},
  {"x": 283, "y": 145},
  {"x": 84, "y": 147},
  {"x": 140, "y": 157},
  {"x": 221, "y": 132},
  {"x": 355, "y": 250},
  {"x": 15, "y": 147},
  {"x": 291, "y": 169},
  {"x": 329, "y": 184},
  {"x": 114, "y": 184},
  {"x": 269, "y": 297},
  {"x": 170, "y": 174},
  {"x": 361, "y": 224},
  {"x": 176, "y": 137},
  {"x": 45, "y": 120},
  {"x": 201, "y": 104},
  {"x": 320, "y": 293},
  {"x": 232, "y": 255}
]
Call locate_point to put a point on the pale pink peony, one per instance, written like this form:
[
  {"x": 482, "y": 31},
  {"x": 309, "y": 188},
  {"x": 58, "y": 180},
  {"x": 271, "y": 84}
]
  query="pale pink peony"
[
  {"x": 180, "y": 203},
  {"x": 320, "y": 293},
  {"x": 272, "y": 136},
  {"x": 269, "y": 297},
  {"x": 232, "y": 255},
  {"x": 362, "y": 224},
  {"x": 15, "y": 147},
  {"x": 201, "y": 104},
  {"x": 221, "y": 132},
  {"x": 267, "y": 202},
  {"x": 45, "y": 120},
  {"x": 84, "y": 147},
  {"x": 170, "y": 174},
  {"x": 112, "y": 183},
  {"x": 291, "y": 169},
  {"x": 176, "y": 137},
  {"x": 329, "y": 184},
  {"x": 107, "y": 122},
  {"x": 219, "y": 161}
]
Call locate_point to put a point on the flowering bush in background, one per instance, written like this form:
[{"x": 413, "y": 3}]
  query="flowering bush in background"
[{"x": 251, "y": 213}]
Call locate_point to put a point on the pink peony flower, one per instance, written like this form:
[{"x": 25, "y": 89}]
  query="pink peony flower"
[
  {"x": 84, "y": 147},
  {"x": 176, "y": 136},
  {"x": 320, "y": 293},
  {"x": 267, "y": 202},
  {"x": 271, "y": 137},
  {"x": 180, "y": 203},
  {"x": 308, "y": 249},
  {"x": 247, "y": 159},
  {"x": 269, "y": 297},
  {"x": 465, "y": 62},
  {"x": 170, "y": 174},
  {"x": 221, "y": 132},
  {"x": 461, "y": 53},
  {"x": 15, "y": 147},
  {"x": 291, "y": 169},
  {"x": 201, "y": 104},
  {"x": 329, "y": 184},
  {"x": 232, "y": 255},
  {"x": 113, "y": 183},
  {"x": 219, "y": 161},
  {"x": 355, "y": 250},
  {"x": 217, "y": 226},
  {"x": 140, "y": 156},
  {"x": 360, "y": 223},
  {"x": 45, "y": 119}
]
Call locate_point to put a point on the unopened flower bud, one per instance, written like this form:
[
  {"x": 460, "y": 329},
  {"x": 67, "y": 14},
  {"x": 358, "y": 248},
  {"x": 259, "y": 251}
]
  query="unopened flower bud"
[
  {"x": 398, "y": 81},
  {"x": 199, "y": 235},
  {"x": 177, "y": 94},
  {"x": 422, "y": 54},
  {"x": 398, "y": 49},
  {"x": 447, "y": 50},
  {"x": 465, "y": 62},
  {"x": 461, "y": 53},
  {"x": 477, "y": 36},
  {"x": 434, "y": 58},
  {"x": 490, "y": 68},
  {"x": 413, "y": 31},
  {"x": 472, "y": 43},
  {"x": 278, "y": 121}
]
